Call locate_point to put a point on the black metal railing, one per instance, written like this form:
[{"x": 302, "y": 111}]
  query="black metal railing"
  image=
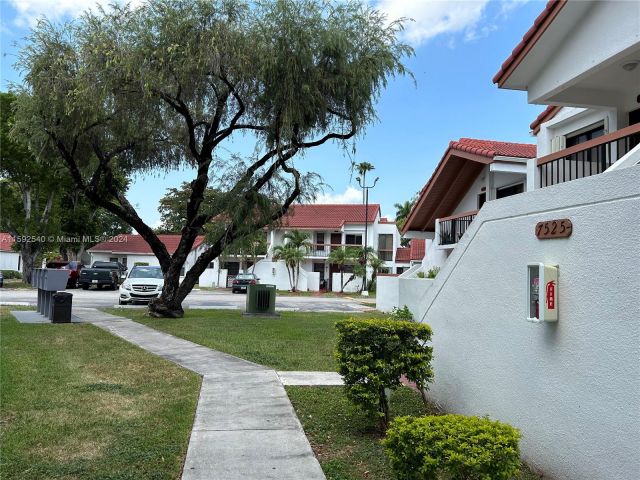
[
  {"x": 452, "y": 228},
  {"x": 588, "y": 158}
]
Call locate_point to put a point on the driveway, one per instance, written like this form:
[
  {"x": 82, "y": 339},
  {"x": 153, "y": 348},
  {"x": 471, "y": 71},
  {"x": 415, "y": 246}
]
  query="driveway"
[{"x": 196, "y": 299}]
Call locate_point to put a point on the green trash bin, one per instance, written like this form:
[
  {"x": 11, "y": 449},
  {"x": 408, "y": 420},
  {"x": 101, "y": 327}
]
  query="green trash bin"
[{"x": 261, "y": 300}]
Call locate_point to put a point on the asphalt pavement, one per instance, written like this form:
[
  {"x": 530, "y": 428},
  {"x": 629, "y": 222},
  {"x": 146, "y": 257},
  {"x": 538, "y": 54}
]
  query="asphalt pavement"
[{"x": 196, "y": 299}]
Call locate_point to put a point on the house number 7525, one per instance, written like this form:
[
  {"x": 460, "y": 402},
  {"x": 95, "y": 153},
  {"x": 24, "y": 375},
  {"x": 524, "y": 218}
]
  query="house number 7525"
[{"x": 554, "y": 229}]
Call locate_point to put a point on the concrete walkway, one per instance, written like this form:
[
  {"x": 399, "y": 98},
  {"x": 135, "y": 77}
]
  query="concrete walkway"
[{"x": 245, "y": 427}]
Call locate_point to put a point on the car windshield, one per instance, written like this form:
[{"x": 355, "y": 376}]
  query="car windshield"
[
  {"x": 246, "y": 276},
  {"x": 146, "y": 272}
]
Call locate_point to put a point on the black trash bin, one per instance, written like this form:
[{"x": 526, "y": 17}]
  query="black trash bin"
[{"x": 61, "y": 307}]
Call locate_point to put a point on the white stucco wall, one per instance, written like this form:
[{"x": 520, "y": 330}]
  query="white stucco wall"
[
  {"x": 387, "y": 292},
  {"x": 571, "y": 387},
  {"x": 10, "y": 261},
  {"x": 400, "y": 291},
  {"x": 351, "y": 287},
  {"x": 592, "y": 40}
]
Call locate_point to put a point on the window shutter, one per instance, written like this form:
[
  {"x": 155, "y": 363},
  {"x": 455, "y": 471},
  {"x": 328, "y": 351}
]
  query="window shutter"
[{"x": 558, "y": 143}]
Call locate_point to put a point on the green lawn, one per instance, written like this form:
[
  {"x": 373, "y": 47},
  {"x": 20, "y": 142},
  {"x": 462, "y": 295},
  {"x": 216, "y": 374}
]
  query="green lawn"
[
  {"x": 79, "y": 403},
  {"x": 295, "y": 341},
  {"x": 346, "y": 441},
  {"x": 14, "y": 283}
]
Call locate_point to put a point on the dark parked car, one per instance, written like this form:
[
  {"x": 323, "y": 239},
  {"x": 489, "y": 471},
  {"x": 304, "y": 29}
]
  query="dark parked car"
[
  {"x": 242, "y": 280},
  {"x": 102, "y": 274},
  {"x": 73, "y": 267},
  {"x": 1, "y": 280}
]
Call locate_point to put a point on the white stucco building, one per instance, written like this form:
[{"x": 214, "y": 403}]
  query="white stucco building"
[
  {"x": 9, "y": 258},
  {"x": 329, "y": 226},
  {"x": 571, "y": 386},
  {"x": 130, "y": 249}
]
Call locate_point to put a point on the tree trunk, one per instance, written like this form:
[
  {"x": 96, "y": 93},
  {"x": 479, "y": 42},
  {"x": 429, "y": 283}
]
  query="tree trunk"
[
  {"x": 28, "y": 261},
  {"x": 169, "y": 303},
  {"x": 341, "y": 281}
]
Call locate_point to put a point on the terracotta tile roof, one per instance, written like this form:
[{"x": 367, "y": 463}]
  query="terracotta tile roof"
[
  {"x": 415, "y": 251},
  {"x": 529, "y": 40},
  {"x": 403, "y": 255},
  {"x": 458, "y": 167},
  {"x": 6, "y": 242},
  {"x": 547, "y": 114},
  {"x": 129, "y": 243},
  {"x": 330, "y": 216},
  {"x": 417, "y": 248},
  {"x": 492, "y": 148},
  {"x": 386, "y": 220}
]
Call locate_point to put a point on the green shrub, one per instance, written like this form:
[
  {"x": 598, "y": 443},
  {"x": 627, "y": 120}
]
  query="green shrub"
[
  {"x": 452, "y": 447},
  {"x": 401, "y": 313},
  {"x": 140, "y": 264},
  {"x": 432, "y": 272},
  {"x": 373, "y": 354},
  {"x": 11, "y": 275},
  {"x": 421, "y": 275}
]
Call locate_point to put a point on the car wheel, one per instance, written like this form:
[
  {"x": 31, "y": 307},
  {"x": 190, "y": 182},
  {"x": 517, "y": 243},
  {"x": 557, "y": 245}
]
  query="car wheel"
[
  {"x": 120, "y": 302},
  {"x": 85, "y": 287}
]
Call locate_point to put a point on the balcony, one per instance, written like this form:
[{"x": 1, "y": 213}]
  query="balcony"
[
  {"x": 322, "y": 250},
  {"x": 588, "y": 158},
  {"x": 449, "y": 230}
]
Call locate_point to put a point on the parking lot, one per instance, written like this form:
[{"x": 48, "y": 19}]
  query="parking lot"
[{"x": 196, "y": 299}]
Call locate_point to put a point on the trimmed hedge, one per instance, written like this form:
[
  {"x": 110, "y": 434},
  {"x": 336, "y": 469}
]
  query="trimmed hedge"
[
  {"x": 373, "y": 354},
  {"x": 452, "y": 447},
  {"x": 11, "y": 275}
]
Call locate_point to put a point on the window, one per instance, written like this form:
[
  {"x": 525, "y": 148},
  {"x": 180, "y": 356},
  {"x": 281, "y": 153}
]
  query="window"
[
  {"x": 585, "y": 136},
  {"x": 113, "y": 259},
  {"x": 352, "y": 239},
  {"x": 481, "y": 199},
  {"x": 320, "y": 241},
  {"x": 385, "y": 246},
  {"x": 233, "y": 268},
  {"x": 383, "y": 270},
  {"x": 211, "y": 265},
  {"x": 400, "y": 270},
  {"x": 510, "y": 190}
]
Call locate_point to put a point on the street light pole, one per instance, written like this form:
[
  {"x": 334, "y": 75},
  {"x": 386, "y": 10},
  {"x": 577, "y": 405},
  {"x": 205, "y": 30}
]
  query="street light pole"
[{"x": 365, "y": 189}]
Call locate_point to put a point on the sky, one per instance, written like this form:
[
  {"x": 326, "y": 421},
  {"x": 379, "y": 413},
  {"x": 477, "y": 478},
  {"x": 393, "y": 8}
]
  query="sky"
[{"x": 459, "y": 46}]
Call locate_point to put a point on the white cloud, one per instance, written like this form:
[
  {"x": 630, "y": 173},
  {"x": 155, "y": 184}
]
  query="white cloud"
[
  {"x": 29, "y": 11},
  {"x": 435, "y": 17},
  {"x": 350, "y": 195},
  {"x": 431, "y": 18}
]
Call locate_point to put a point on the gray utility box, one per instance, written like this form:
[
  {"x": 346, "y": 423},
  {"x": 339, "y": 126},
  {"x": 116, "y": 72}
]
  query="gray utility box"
[
  {"x": 261, "y": 300},
  {"x": 48, "y": 281}
]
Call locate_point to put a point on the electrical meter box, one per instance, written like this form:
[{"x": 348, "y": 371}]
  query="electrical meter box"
[{"x": 542, "y": 292}]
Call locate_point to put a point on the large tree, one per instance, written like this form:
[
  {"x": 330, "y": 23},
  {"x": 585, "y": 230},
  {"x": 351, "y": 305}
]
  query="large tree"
[
  {"x": 173, "y": 207},
  {"x": 28, "y": 186},
  {"x": 163, "y": 86}
]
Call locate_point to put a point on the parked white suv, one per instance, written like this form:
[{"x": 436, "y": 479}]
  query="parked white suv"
[{"x": 142, "y": 284}]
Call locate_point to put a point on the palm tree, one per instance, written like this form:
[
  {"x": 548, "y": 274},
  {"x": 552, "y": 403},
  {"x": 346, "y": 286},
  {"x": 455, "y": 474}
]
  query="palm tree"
[
  {"x": 363, "y": 168},
  {"x": 361, "y": 253},
  {"x": 301, "y": 241},
  {"x": 402, "y": 212},
  {"x": 291, "y": 256},
  {"x": 376, "y": 264},
  {"x": 341, "y": 257}
]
